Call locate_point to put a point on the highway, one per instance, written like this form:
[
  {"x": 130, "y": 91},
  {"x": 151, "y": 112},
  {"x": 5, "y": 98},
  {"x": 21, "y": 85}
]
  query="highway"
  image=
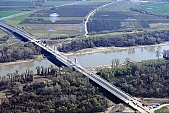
[{"x": 68, "y": 62}]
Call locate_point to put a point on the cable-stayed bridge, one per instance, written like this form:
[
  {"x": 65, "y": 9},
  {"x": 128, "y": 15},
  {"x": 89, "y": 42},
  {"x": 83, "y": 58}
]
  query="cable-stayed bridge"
[{"x": 63, "y": 60}]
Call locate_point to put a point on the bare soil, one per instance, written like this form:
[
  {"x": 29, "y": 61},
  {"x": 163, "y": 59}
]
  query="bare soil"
[
  {"x": 21, "y": 61},
  {"x": 108, "y": 49}
]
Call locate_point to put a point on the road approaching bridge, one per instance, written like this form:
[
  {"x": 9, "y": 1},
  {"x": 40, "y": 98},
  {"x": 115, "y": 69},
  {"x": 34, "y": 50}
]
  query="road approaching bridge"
[
  {"x": 91, "y": 14},
  {"x": 68, "y": 62}
]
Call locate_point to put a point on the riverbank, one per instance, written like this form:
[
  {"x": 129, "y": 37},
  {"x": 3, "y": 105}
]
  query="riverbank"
[
  {"x": 89, "y": 51},
  {"x": 108, "y": 49},
  {"x": 21, "y": 61}
]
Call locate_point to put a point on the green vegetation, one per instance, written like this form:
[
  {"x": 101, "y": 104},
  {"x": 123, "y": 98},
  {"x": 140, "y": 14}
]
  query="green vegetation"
[
  {"x": 51, "y": 90},
  {"x": 56, "y": 3},
  {"x": 7, "y": 13},
  {"x": 11, "y": 53},
  {"x": 16, "y": 20},
  {"x": 157, "y": 8},
  {"x": 142, "y": 79},
  {"x": 69, "y": 21},
  {"x": 123, "y": 40},
  {"x": 161, "y": 110},
  {"x": 122, "y": 15},
  {"x": 20, "y": 18},
  {"x": 119, "y": 6}
]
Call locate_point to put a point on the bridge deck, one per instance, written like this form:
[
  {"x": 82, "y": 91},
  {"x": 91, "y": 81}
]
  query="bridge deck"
[{"x": 68, "y": 62}]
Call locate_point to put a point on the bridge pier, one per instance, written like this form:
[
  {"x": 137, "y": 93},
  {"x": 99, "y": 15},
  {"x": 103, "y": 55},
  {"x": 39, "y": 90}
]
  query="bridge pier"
[
  {"x": 60, "y": 60},
  {"x": 52, "y": 58}
]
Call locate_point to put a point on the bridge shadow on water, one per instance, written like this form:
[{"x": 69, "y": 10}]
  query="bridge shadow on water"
[
  {"x": 45, "y": 53},
  {"x": 105, "y": 93},
  {"x": 55, "y": 61},
  {"x": 52, "y": 58}
]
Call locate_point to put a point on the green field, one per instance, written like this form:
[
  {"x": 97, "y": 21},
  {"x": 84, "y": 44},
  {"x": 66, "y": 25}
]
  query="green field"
[
  {"x": 157, "y": 8},
  {"x": 7, "y": 13},
  {"x": 119, "y": 6},
  {"x": 92, "y": 1},
  {"x": 161, "y": 110},
  {"x": 56, "y": 3},
  {"x": 15, "y": 21}
]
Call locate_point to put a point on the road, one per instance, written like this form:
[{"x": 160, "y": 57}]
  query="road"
[
  {"x": 91, "y": 14},
  {"x": 68, "y": 62},
  {"x": 160, "y": 107}
]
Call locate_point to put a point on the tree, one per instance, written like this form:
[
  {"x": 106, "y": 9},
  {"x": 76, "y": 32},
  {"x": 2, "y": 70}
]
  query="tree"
[
  {"x": 158, "y": 53},
  {"x": 45, "y": 71},
  {"x": 115, "y": 62},
  {"x": 31, "y": 75},
  {"x": 38, "y": 70},
  {"x": 165, "y": 54},
  {"x": 42, "y": 71},
  {"x": 9, "y": 76}
]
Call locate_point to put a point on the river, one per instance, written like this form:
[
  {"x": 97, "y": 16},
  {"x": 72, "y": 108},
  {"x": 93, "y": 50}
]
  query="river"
[{"x": 92, "y": 59}]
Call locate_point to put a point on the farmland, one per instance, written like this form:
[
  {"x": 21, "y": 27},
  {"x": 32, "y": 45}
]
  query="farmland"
[
  {"x": 7, "y": 13},
  {"x": 69, "y": 21},
  {"x": 9, "y": 7},
  {"x": 16, "y": 5},
  {"x": 158, "y": 8},
  {"x": 121, "y": 18},
  {"x": 71, "y": 17}
]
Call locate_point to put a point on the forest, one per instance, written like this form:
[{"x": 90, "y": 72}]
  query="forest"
[
  {"x": 11, "y": 53},
  {"x": 125, "y": 40},
  {"x": 142, "y": 79},
  {"x": 51, "y": 90}
]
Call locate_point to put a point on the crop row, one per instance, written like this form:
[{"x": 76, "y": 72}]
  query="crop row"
[
  {"x": 68, "y": 11},
  {"x": 121, "y": 15},
  {"x": 117, "y": 20},
  {"x": 41, "y": 21},
  {"x": 114, "y": 25}
]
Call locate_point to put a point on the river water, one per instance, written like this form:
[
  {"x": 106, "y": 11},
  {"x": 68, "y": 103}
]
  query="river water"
[{"x": 92, "y": 59}]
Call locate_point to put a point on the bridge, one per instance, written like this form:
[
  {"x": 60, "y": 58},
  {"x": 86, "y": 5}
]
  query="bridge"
[{"x": 63, "y": 60}]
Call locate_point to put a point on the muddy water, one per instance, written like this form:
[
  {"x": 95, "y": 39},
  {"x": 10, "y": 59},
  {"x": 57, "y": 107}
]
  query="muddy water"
[{"x": 89, "y": 60}]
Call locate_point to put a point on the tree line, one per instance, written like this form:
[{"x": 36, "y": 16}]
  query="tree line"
[
  {"x": 11, "y": 53},
  {"x": 51, "y": 90},
  {"x": 125, "y": 40},
  {"x": 144, "y": 79}
]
